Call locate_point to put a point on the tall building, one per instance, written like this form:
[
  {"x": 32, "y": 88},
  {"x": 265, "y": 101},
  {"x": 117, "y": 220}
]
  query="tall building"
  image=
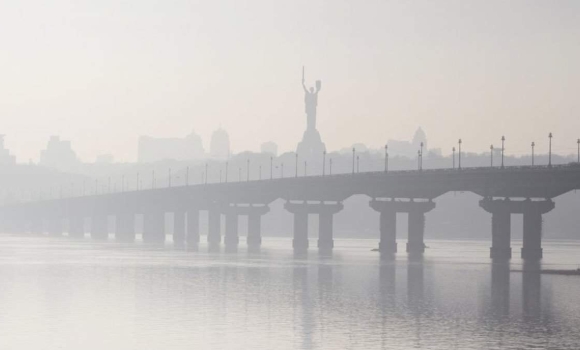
[
  {"x": 5, "y": 157},
  {"x": 219, "y": 147},
  {"x": 59, "y": 154},
  {"x": 152, "y": 149},
  {"x": 269, "y": 147}
]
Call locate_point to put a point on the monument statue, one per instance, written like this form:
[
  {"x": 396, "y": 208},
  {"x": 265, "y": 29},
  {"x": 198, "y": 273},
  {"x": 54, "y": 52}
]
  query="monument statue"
[
  {"x": 310, "y": 103},
  {"x": 311, "y": 146}
]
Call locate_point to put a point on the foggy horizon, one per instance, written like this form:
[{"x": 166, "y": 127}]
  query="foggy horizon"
[{"x": 474, "y": 71}]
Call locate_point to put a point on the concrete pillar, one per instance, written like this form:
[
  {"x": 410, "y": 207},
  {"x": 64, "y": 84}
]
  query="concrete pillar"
[
  {"x": 500, "y": 227},
  {"x": 533, "y": 210},
  {"x": 415, "y": 242},
  {"x": 325, "y": 237},
  {"x": 76, "y": 226},
  {"x": 387, "y": 225},
  {"x": 254, "y": 239},
  {"x": 388, "y": 231},
  {"x": 179, "y": 228},
  {"x": 125, "y": 227},
  {"x": 500, "y": 235},
  {"x": 214, "y": 227},
  {"x": 99, "y": 227},
  {"x": 300, "y": 240},
  {"x": 192, "y": 227},
  {"x": 231, "y": 239},
  {"x": 154, "y": 227}
]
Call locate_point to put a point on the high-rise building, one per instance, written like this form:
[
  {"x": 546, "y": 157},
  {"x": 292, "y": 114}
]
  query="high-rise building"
[
  {"x": 59, "y": 154},
  {"x": 5, "y": 157},
  {"x": 219, "y": 147}
]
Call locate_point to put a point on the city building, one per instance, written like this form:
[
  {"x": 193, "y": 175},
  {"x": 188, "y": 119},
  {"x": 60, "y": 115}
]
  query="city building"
[
  {"x": 152, "y": 149},
  {"x": 59, "y": 155},
  {"x": 5, "y": 157},
  {"x": 219, "y": 147}
]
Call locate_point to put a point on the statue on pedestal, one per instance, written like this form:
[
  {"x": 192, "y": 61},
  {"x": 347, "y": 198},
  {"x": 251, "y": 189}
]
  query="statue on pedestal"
[{"x": 310, "y": 103}]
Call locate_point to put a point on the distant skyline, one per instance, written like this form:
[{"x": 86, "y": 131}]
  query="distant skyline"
[{"x": 100, "y": 74}]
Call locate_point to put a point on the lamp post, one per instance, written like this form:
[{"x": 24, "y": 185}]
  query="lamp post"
[
  {"x": 421, "y": 155},
  {"x": 578, "y": 142},
  {"x": 271, "y": 168},
  {"x": 502, "y": 150},
  {"x": 305, "y": 168},
  {"x": 227, "y": 168},
  {"x": 459, "y": 153},
  {"x": 386, "y": 158},
  {"x": 239, "y": 174},
  {"x": 282, "y": 171},
  {"x": 323, "y": 162},
  {"x": 533, "y": 153},
  {"x": 491, "y": 156},
  {"x": 550, "y": 151},
  {"x": 418, "y": 160},
  {"x": 330, "y": 169},
  {"x": 353, "y": 150},
  {"x": 296, "y": 165},
  {"x": 453, "y": 150},
  {"x": 260, "y": 173}
]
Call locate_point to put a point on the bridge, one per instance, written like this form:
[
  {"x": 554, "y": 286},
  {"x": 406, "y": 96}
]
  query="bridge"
[{"x": 504, "y": 191}]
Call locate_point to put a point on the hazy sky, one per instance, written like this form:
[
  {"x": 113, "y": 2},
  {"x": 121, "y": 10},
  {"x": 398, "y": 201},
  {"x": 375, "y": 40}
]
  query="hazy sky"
[{"x": 101, "y": 73}]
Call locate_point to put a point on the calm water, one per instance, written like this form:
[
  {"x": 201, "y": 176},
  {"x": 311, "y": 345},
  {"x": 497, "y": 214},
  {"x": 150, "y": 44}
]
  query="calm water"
[{"x": 61, "y": 294}]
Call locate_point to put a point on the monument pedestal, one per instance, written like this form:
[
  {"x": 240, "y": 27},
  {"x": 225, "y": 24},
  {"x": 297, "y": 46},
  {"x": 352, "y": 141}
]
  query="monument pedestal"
[{"x": 311, "y": 146}]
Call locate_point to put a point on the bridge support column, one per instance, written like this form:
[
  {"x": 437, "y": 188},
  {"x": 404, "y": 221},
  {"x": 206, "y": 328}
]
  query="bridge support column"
[
  {"x": 500, "y": 210},
  {"x": 76, "y": 226},
  {"x": 415, "y": 241},
  {"x": 533, "y": 210},
  {"x": 154, "y": 227},
  {"x": 387, "y": 225},
  {"x": 231, "y": 238},
  {"x": 99, "y": 227},
  {"x": 179, "y": 228},
  {"x": 214, "y": 237},
  {"x": 192, "y": 227},
  {"x": 254, "y": 238},
  {"x": 325, "y": 225},
  {"x": 300, "y": 240},
  {"x": 125, "y": 227}
]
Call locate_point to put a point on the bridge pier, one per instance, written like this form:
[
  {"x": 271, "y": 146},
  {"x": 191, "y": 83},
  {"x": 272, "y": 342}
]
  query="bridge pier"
[
  {"x": 501, "y": 210},
  {"x": 325, "y": 212},
  {"x": 192, "y": 227},
  {"x": 388, "y": 210},
  {"x": 214, "y": 237},
  {"x": 254, "y": 238},
  {"x": 231, "y": 238},
  {"x": 76, "y": 226},
  {"x": 99, "y": 227},
  {"x": 179, "y": 228},
  {"x": 125, "y": 227},
  {"x": 154, "y": 227},
  {"x": 533, "y": 210}
]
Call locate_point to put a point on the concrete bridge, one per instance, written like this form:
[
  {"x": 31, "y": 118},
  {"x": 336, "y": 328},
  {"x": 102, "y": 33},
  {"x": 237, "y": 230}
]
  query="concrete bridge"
[{"x": 504, "y": 191}]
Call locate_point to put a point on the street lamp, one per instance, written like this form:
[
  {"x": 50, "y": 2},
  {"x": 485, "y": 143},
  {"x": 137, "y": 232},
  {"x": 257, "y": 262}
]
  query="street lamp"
[
  {"x": 459, "y": 153},
  {"x": 421, "y": 155},
  {"x": 453, "y": 149},
  {"x": 386, "y": 158},
  {"x": 357, "y": 164},
  {"x": 260, "y": 173},
  {"x": 533, "y": 153},
  {"x": 187, "y": 176},
  {"x": 323, "y": 162},
  {"x": 502, "y": 150},
  {"x": 296, "y": 164},
  {"x": 353, "y": 160},
  {"x": 418, "y": 160},
  {"x": 282, "y": 171},
  {"x": 330, "y": 169},
  {"x": 578, "y": 142},
  {"x": 491, "y": 155},
  {"x": 305, "y": 168},
  {"x": 550, "y": 151}
]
